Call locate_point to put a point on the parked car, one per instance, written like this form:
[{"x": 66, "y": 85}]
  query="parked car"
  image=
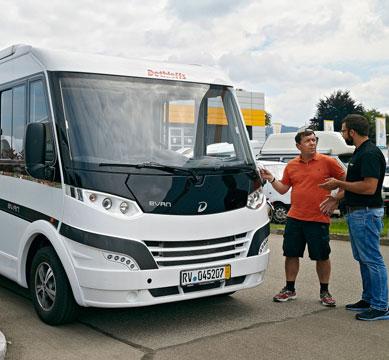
[{"x": 281, "y": 203}]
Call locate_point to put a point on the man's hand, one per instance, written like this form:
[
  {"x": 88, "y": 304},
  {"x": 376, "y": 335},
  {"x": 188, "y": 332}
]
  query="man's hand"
[
  {"x": 266, "y": 174},
  {"x": 328, "y": 206},
  {"x": 330, "y": 184}
]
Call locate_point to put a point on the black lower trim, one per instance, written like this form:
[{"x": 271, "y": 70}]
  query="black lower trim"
[
  {"x": 165, "y": 291},
  {"x": 25, "y": 213},
  {"x": 201, "y": 287},
  {"x": 236, "y": 280},
  {"x": 173, "y": 290},
  {"x": 258, "y": 238},
  {"x": 135, "y": 249}
]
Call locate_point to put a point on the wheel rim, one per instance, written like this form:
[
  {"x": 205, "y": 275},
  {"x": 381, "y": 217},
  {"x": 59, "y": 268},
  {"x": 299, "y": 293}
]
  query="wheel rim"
[
  {"x": 280, "y": 214},
  {"x": 45, "y": 286}
]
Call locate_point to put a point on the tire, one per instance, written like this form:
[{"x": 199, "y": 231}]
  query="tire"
[
  {"x": 280, "y": 213},
  {"x": 50, "y": 289}
]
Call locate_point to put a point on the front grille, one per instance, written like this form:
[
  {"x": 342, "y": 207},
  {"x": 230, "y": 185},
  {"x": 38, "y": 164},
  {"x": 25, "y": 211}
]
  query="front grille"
[{"x": 174, "y": 253}]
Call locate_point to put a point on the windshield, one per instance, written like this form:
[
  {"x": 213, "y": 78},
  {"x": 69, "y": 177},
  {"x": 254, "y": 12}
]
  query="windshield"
[{"x": 112, "y": 120}]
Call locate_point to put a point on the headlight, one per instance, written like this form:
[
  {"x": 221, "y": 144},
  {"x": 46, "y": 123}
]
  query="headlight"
[
  {"x": 108, "y": 203},
  {"x": 124, "y": 207},
  {"x": 125, "y": 260},
  {"x": 255, "y": 199}
]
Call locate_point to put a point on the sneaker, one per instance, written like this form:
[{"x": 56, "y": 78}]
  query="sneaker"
[
  {"x": 373, "y": 314},
  {"x": 285, "y": 295},
  {"x": 326, "y": 299},
  {"x": 361, "y": 305}
]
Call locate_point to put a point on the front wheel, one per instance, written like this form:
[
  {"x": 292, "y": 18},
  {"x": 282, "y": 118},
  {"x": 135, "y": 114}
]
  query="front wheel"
[
  {"x": 280, "y": 213},
  {"x": 50, "y": 289}
]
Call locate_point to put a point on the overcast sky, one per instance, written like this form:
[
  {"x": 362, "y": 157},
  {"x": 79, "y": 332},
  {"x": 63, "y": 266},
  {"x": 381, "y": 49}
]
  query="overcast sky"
[{"x": 296, "y": 52}]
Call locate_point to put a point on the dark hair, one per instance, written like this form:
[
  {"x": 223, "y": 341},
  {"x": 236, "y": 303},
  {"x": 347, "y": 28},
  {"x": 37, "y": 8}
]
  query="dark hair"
[
  {"x": 302, "y": 133},
  {"x": 358, "y": 123}
]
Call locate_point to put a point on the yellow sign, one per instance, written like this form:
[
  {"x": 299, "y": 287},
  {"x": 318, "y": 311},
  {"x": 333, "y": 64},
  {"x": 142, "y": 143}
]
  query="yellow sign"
[{"x": 184, "y": 114}]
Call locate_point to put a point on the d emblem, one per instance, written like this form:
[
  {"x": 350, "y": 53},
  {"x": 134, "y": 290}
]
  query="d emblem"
[{"x": 202, "y": 206}]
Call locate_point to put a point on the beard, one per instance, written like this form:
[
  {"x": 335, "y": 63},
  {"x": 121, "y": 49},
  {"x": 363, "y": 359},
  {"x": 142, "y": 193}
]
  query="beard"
[{"x": 349, "y": 141}]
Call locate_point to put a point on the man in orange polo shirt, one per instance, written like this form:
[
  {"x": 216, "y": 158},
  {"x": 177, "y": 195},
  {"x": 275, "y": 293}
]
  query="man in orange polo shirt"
[{"x": 306, "y": 224}]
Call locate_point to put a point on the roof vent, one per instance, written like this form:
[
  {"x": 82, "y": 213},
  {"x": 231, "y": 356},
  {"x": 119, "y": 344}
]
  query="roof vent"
[{"x": 11, "y": 50}]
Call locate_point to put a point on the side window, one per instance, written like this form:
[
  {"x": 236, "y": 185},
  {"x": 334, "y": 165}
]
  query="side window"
[
  {"x": 18, "y": 121},
  {"x": 38, "y": 103},
  {"x": 6, "y": 124},
  {"x": 39, "y": 113},
  {"x": 13, "y": 121}
]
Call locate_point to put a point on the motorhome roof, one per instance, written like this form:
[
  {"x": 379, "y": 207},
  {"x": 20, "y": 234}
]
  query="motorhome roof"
[{"x": 59, "y": 60}]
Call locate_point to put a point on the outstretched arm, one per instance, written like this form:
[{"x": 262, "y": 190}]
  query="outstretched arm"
[
  {"x": 277, "y": 185},
  {"x": 367, "y": 186}
]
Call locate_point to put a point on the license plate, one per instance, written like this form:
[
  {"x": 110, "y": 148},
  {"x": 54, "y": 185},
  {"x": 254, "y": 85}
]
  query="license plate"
[{"x": 204, "y": 275}]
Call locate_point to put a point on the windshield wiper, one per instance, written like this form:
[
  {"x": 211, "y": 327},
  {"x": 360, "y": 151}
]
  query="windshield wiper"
[
  {"x": 233, "y": 167},
  {"x": 155, "y": 165}
]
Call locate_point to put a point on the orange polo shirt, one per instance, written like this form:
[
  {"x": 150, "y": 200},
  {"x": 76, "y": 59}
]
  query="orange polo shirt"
[{"x": 304, "y": 179}]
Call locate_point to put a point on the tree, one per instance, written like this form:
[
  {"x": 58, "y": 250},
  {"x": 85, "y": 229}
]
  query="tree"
[
  {"x": 267, "y": 118},
  {"x": 335, "y": 107},
  {"x": 371, "y": 115}
]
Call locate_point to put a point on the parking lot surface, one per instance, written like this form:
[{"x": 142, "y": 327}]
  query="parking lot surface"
[{"x": 245, "y": 325}]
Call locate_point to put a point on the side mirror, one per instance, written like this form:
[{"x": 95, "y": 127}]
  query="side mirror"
[{"x": 35, "y": 151}]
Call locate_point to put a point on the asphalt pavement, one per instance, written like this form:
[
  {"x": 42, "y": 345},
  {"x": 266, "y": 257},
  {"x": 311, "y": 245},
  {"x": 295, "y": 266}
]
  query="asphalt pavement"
[{"x": 246, "y": 325}]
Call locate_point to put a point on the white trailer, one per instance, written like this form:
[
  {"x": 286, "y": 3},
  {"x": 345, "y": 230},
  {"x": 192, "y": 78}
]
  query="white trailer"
[{"x": 98, "y": 205}]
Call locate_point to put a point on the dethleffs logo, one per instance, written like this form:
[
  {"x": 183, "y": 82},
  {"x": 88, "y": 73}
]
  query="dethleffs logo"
[{"x": 163, "y": 74}]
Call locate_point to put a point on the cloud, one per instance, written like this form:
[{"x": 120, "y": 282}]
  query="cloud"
[
  {"x": 294, "y": 53},
  {"x": 382, "y": 9},
  {"x": 373, "y": 93},
  {"x": 189, "y": 10}
]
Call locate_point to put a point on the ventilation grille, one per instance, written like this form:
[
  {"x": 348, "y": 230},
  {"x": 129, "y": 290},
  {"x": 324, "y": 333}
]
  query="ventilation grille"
[{"x": 174, "y": 253}]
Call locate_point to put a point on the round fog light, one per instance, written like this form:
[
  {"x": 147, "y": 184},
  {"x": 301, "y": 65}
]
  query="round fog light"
[
  {"x": 107, "y": 203},
  {"x": 124, "y": 207}
]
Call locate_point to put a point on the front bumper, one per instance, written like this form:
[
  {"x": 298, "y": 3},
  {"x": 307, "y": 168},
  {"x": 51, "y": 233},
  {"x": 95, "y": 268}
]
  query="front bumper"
[{"x": 118, "y": 287}]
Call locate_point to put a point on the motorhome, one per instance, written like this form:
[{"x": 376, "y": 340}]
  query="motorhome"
[
  {"x": 100, "y": 207},
  {"x": 283, "y": 146}
]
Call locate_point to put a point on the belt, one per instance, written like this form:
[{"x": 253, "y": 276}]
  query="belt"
[{"x": 350, "y": 209}]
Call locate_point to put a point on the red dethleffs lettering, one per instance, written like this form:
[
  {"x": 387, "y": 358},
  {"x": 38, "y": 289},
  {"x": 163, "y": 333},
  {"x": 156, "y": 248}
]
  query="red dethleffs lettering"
[{"x": 163, "y": 74}]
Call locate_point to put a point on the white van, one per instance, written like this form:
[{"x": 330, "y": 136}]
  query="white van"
[{"x": 98, "y": 205}]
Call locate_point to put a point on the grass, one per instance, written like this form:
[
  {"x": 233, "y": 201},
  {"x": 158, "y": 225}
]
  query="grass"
[{"x": 339, "y": 226}]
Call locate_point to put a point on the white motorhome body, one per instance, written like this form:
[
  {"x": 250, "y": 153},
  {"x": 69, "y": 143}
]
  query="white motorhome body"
[
  {"x": 97, "y": 202},
  {"x": 330, "y": 142}
]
